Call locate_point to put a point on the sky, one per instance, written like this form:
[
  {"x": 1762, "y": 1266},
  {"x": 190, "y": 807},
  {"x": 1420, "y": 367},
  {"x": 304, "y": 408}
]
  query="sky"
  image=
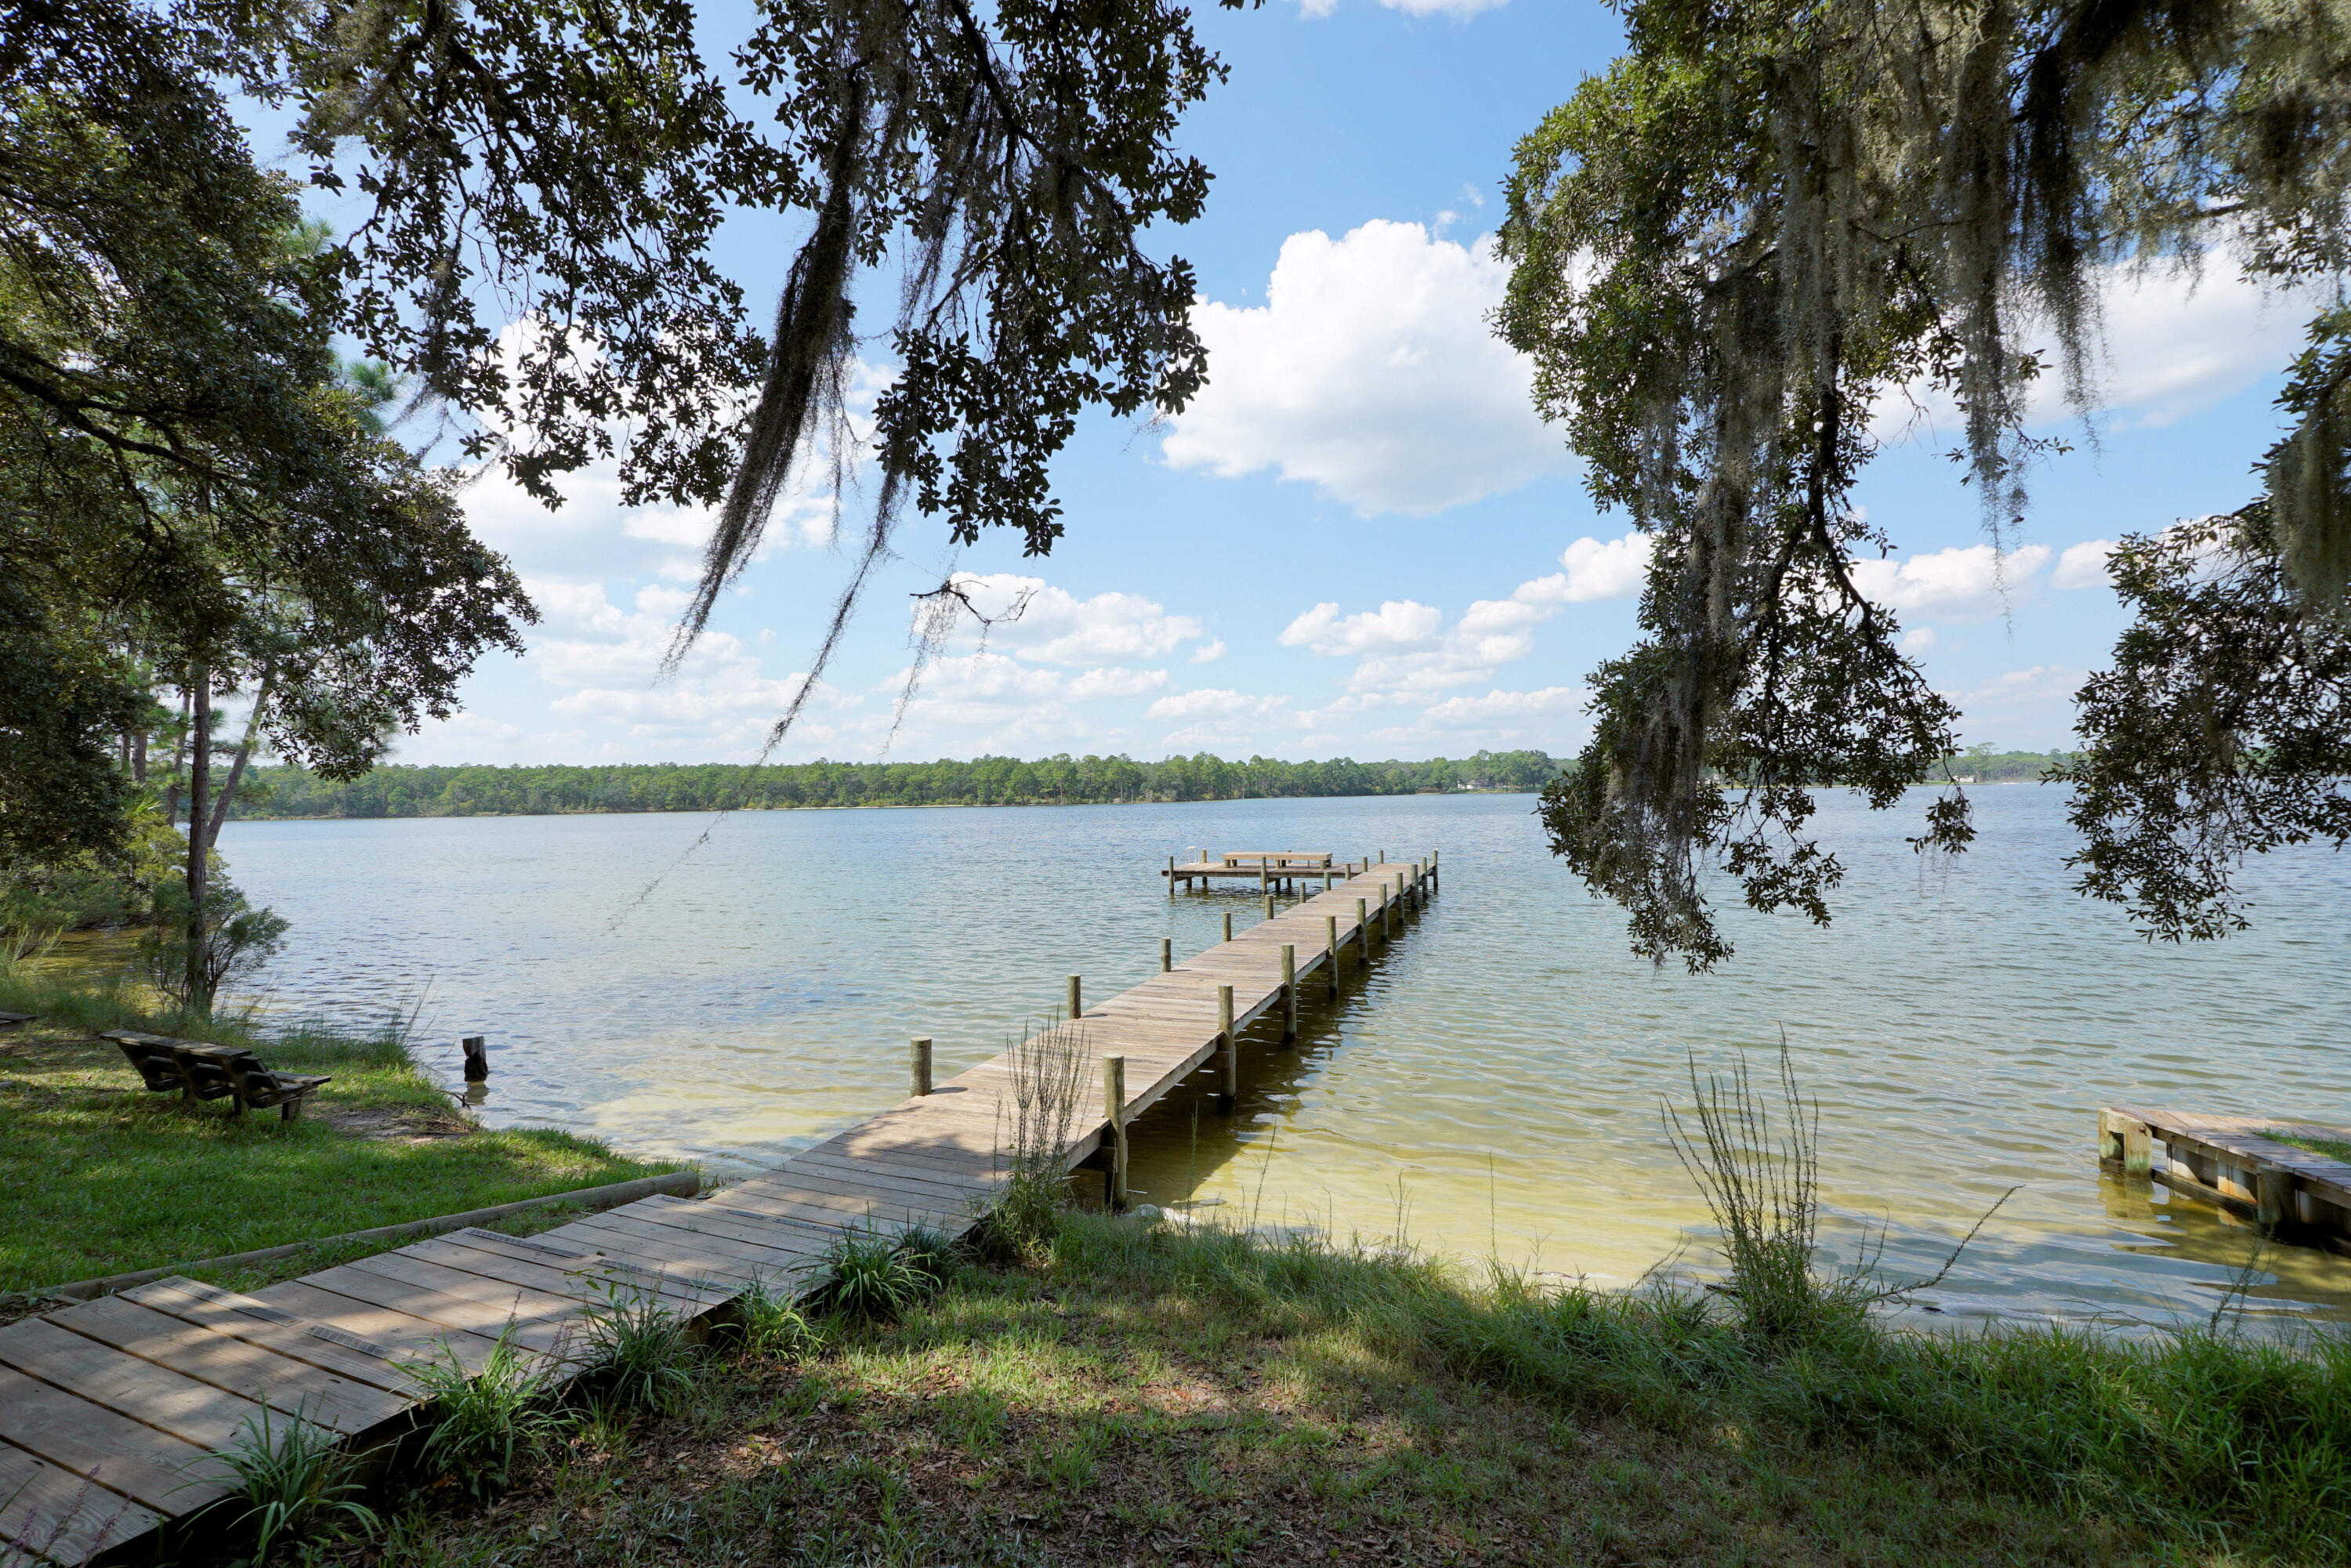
[{"x": 1359, "y": 541}]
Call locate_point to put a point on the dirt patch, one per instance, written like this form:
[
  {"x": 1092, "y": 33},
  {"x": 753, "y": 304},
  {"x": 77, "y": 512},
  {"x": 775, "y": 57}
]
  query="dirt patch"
[{"x": 415, "y": 1124}]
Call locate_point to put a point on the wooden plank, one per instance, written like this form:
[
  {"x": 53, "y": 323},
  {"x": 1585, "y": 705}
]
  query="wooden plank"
[
  {"x": 579, "y": 1282},
  {"x": 192, "y": 1411},
  {"x": 61, "y": 1516},
  {"x": 761, "y": 1245},
  {"x": 445, "y": 1311},
  {"x": 403, "y": 1332},
  {"x": 229, "y": 1363},
  {"x": 224, "y": 1312},
  {"x": 519, "y": 1301},
  {"x": 717, "y": 1256},
  {"x": 152, "y": 1468}
]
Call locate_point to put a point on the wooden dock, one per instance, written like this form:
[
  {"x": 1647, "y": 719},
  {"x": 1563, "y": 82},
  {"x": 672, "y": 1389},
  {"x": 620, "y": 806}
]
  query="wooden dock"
[
  {"x": 2231, "y": 1161},
  {"x": 111, "y": 1411}
]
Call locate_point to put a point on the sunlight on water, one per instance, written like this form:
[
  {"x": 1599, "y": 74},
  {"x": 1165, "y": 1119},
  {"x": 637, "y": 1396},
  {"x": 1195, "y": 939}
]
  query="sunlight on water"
[{"x": 1496, "y": 1080}]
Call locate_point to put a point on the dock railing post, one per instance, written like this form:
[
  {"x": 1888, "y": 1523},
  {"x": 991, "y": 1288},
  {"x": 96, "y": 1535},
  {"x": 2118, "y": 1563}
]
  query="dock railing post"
[
  {"x": 1261, "y": 874},
  {"x": 1232, "y": 1049},
  {"x": 1077, "y": 1009},
  {"x": 1228, "y": 926},
  {"x": 921, "y": 1064},
  {"x": 1288, "y": 992},
  {"x": 1330, "y": 945},
  {"x": 1167, "y": 954},
  {"x": 1432, "y": 867},
  {"x": 1389, "y": 894},
  {"x": 1171, "y": 876},
  {"x": 1114, "y": 1112},
  {"x": 1363, "y": 931},
  {"x": 1268, "y": 906}
]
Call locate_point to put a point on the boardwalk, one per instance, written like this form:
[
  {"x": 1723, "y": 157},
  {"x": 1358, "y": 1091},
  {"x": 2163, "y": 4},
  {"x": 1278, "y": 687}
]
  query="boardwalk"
[
  {"x": 109, "y": 1409},
  {"x": 2231, "y": 1161}
]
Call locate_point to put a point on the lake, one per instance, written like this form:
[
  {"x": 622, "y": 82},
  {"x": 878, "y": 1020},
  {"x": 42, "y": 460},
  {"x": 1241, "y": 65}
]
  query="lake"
[{"x": 1493, "y": 1086}]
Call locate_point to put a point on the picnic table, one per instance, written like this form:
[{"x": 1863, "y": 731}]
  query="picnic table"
[{"x": 198, "y": 1071}]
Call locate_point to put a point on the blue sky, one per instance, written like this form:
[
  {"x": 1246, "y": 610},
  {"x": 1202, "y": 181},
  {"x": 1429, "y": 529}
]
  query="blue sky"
[{"x": 1359, "y": 541}]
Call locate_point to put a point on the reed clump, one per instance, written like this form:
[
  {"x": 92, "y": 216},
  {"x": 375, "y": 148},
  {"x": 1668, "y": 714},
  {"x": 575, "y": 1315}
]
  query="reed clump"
[{"x": 1049, "y": 1070}]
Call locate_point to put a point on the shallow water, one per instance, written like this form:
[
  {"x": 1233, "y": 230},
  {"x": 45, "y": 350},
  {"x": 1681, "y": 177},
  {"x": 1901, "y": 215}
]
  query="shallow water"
[{"x": 1496, "y": 1080}]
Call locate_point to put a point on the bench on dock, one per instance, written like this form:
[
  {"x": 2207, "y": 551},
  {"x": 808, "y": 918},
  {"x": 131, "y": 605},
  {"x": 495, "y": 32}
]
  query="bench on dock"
[{"x": 201, "y": 1072}]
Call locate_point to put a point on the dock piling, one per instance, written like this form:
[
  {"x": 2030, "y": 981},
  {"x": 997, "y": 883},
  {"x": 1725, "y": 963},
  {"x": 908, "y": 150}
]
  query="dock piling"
[
  {"x": 1171, "y": 876},
  {"x": 1114, "y": 1112},
  {"x": 1363, "y": 931},
  {"x": 1228, "y": 926},
  {"x": 1288, "y": 992},
  {"x": 920, "y": 1060},
  {"x": 1077, "y": 1009},
  {"x": 1268, "y": 906},
  {"x": 1232, "y": 1088},
  {"x": 2128, "y": 1141},
  {"x": 1330, "y": 945},
  {"x": 1167, "y": 954},
  {"x": 2272, "y": 1199},
  {"x": 477, "y": 1058}
]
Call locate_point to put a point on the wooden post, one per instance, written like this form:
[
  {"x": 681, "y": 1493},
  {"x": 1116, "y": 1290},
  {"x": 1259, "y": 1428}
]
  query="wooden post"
[
  {"x": 1228, "y": 926},
  {"x": 1288, "y": 992},
  {"x": 1389, "y": 896},
  {"x": 1432, "y": 867},
  {"x": 477, "y": 1058},
  {"x": 2272, "y": 1199},
  {"x": 1330, "y": 945},
  {"x": 1077, "y": 1009},
  {"x": 1232, "y": 1049},
  {"x": 2127, "y": 1140},
  {"x": 922, "y": 1065},
  {"x": 1268, "y": 906},
  {"x": 1261, "y": 874},
  {"x": 1363, "y": 931},
  {"x": 1171, "y": 876},
  {"x": 1326, "y": 879},
  {"x": 1114, "y": 1112},
  {"x": 1167, "y": 954}
]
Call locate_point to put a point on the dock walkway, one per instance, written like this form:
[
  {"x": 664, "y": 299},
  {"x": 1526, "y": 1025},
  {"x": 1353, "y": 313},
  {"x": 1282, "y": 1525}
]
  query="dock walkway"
[
  {"x": 110, "y": 1410},
  {"x": 2233, "y": 1161}
]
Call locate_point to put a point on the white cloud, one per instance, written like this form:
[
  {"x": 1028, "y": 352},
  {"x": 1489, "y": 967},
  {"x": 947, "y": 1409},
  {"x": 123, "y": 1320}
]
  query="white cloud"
[
  {"x": 1057, "y": 627},
  {"x": 2031, "y": 708},
  {"x": 1397, "y": 624},
  {"x": 1370, "y": 373},
  {"x": 1918, "y": 639},
  {"x": 1212, "y": 702},
  {"x": 1961, "y": 584},
  {"x": 1596, "y": 569},
  {"x": 1116, "y": 682},
  {"x": 1501, "y": 707},
  {"x": 2174, "y": 344},
  {"x": 1208, "y": 652},
  {"x": 2083, "y": 565}
]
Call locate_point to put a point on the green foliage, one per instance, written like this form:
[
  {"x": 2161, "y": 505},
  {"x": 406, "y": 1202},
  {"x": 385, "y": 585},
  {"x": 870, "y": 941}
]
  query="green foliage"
[
  {"x": 295, "y": 1480},
  {"x": 486, "y": 1422},
  {"x": 636, "y": 1348},
  {"x": 410, "y": 792},
  {"x": 236, "y": 942},
  {"x": 872, "y": 1278},
  {"x": 770, "y": 1321},
  {"x": 1771, "y": 218}
]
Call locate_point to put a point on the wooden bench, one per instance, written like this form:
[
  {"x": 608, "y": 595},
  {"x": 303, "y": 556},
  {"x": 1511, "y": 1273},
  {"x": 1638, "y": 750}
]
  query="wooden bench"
[
  {"x": 201, "y": 1072},
  {"x": 10, "y": 1021},
  {"x": 1277, "y": 860}
]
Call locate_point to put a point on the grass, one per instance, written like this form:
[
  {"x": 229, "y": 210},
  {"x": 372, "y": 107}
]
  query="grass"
[
  {"x": 2333, "y": 1148},
  {"x": 1159, "y": 1394},
  {"x": 104, "y": 1177}
]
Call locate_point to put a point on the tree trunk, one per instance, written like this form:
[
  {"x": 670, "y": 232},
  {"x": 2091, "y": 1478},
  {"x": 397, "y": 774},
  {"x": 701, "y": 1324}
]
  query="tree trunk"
[
  {"x": 179, "y": 755},
  {"x": 199, "y": 685},
  {"x": 244, "y": 754}
]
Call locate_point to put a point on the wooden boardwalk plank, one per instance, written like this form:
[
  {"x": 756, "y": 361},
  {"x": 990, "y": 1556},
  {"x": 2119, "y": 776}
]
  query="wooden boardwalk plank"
[
  {"x": 156, "y": 1397},
  {"x": 167, "y": 1474},
  {"x": 47, "y": 1510}
]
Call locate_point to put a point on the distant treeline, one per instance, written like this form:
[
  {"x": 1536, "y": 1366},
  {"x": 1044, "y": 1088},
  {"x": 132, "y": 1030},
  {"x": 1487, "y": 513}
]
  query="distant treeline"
[
  {"x": 476, "y": 791},
  {"x": 1986, "y": 766}
]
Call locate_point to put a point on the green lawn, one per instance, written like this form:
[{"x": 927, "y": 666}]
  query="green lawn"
[
  {"x": 103, "y": 1177},
  {"x": 1153, "y": 1395}
]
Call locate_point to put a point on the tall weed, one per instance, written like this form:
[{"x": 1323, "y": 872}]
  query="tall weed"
[
  {"x": 295, "y": 1479},
  {"x": 636, "y": 1347},
  {"x": 489, "y": 1420}
]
